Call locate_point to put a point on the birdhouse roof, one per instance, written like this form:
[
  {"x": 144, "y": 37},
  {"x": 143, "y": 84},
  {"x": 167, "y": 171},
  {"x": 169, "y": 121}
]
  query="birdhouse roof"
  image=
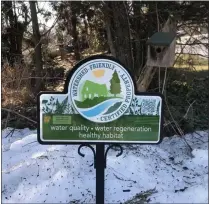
[{"x": 161, "y": 39}]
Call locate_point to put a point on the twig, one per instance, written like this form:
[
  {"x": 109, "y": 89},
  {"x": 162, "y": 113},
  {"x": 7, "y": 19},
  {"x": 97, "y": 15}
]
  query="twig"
[
  {"x": 11, "y": 132},
  {"x": 164, "y": 79},
  {"x": 25, "y": 78},
  {"x": 29, "y": 143},
  {"x": 180, "y": 53},
  {"x": 197, "y": 138},
  {"x": 43, "y": 35},
  {"x": 129, "y": 33},
  {"x": 51, "y": 26},
  {"x": 177, "y": 126},
  {"x": 12, "y": 111},
  {"x": 182, "y": 47},
  {"x": 158, "y": 24},
  {"x": 159, "y": 77},
  {"x": 38, "y": 168},
  {"x": 194, "y": 43},
  {"x": 185, "y": 116},
  {"x": 122, "y": 178}
]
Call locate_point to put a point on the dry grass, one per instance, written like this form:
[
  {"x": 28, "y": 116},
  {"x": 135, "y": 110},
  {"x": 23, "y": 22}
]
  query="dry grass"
[
  {"x": 88, "y": 53},
  {"x": 15, "y": 85},
  {"x": 194, "y": 67},
  {"x": 17, "y": 97},
  {"x": 193, "y": 62}
]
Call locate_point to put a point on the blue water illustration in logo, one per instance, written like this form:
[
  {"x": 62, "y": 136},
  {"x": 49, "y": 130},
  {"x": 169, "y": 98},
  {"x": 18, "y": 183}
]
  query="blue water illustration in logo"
[{"x": 99, "y": 108}]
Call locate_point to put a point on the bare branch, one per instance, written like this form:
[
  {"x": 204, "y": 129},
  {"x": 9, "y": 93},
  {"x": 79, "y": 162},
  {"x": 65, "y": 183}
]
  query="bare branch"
[
  {"x": 190, "y": 105},
  {"x": 56, "y": 20},
  {"x": 12, "y": 111}
]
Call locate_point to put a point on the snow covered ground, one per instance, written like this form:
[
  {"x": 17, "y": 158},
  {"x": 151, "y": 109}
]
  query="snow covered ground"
[{"x": 34, "y": 173}]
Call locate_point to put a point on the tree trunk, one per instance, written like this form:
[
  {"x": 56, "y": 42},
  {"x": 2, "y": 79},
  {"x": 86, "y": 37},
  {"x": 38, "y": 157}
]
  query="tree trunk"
[
  {"x": 38, "y": 53},
  {"x": 14, "y": 34},
  {"x": 70, "y": 16},
  {"x": 87, "y": 32},
  {"x": 75, "y": 36},
  {"x": 118, "y": 32},
  {"x": 9, "y": 6},
  {"x": 19, "y": 37},
  {"x": 110, "y": 39},
  {"x": 139, "y": 42}
]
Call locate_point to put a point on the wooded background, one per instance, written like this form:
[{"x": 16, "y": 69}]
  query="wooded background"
[{"x": 37, "y": 55}]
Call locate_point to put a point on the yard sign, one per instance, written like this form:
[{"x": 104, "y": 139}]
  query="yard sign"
[{"x": 99, "y": 105}]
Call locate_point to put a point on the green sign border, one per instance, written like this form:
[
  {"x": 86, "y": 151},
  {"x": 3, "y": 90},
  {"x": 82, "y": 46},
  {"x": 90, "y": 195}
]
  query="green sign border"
[{"x": 66, "y": 91}]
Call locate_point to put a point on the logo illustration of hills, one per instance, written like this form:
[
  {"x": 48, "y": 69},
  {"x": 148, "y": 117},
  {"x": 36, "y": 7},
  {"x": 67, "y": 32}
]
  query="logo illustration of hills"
[{"x": 95, "y": 99}]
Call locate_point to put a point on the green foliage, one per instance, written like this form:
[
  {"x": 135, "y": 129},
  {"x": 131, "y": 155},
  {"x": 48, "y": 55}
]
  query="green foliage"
[
  {"x": 49, "y": 105},
  {"x": 135, "y": 107},
  {"x": 187, "y": 100},
  {"x": 115, "y": 87},
  {"x": 61, "y": 107},
  {"x": 44, "y": 101},
  {"x": 55, "y": 107},
  {"x": 69, "y": 109}
]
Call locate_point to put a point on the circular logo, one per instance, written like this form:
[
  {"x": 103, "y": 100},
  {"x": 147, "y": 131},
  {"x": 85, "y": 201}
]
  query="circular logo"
[{"x": 101, "y": 90}]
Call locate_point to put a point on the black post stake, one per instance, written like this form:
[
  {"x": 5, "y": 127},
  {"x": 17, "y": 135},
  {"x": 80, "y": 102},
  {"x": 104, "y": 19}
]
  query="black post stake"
[
  {"x": 100, "y": 170},
  {"x": 100, "y": 156}
]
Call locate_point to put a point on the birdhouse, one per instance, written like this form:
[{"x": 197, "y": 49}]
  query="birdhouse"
[{"x": 161, "y": 49}]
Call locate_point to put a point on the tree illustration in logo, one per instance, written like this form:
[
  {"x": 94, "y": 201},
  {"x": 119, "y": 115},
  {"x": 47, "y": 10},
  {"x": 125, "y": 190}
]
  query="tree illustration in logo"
[{"x": 115, "y": 87}]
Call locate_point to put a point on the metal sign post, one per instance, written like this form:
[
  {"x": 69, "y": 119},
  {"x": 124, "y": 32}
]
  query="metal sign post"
[
  {"x": 100, "y": 173},
  {"x": 100, "y": 160}
]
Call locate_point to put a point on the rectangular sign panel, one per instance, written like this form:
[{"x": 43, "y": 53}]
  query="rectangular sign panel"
[{"x": 99, "y": 105}]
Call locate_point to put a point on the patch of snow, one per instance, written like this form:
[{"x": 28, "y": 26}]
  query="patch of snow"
[{"x": 34, "y": 173}]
